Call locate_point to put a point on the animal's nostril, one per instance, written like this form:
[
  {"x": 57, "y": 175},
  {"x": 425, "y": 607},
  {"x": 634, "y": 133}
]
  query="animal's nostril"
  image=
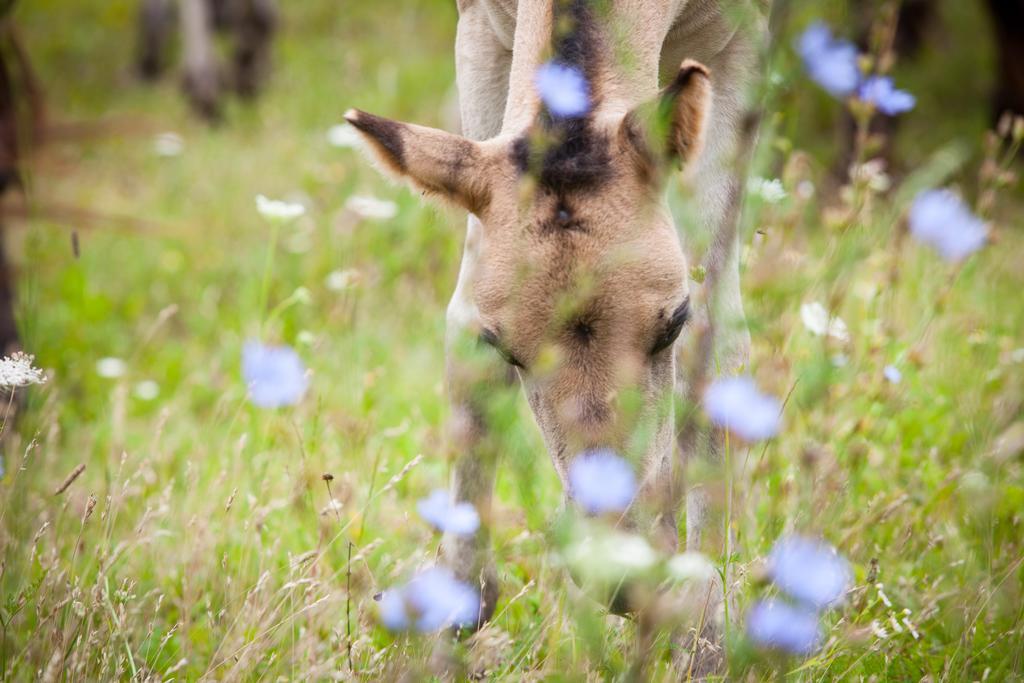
[{"x": 582, "y": 331}]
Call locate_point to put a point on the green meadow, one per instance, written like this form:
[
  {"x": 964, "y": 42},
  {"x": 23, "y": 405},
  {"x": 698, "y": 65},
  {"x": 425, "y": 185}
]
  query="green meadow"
[{"x": 202, "y": 541}]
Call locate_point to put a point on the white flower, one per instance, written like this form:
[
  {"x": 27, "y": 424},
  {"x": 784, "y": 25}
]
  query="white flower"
[
  {"x": 610, "y": 556},
  {"x": 735, "y": 404},
  {"x": 340, "y": 280},
  {"x": 371, "y": 207},
  {"x": 168, "y": 144},
  {"x": 816, "y": 319},
  {"x": 275, "y": 209},
  {"x": 690, "y": 566},
  {"x": 110, "y": 367},
  {"x": 343, "y": 135},
  {"x": 17, "y": 370},
  {"x": 770, "y": 190},
  {"x": 893, "y": 374},
  {"x": 147, "y": 390}
]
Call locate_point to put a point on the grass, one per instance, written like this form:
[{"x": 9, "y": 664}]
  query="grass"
[{"x": 201, "y": 540}]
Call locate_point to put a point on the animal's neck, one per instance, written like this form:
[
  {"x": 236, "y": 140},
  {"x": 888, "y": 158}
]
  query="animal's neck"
[{"x": 616, "y": 44}]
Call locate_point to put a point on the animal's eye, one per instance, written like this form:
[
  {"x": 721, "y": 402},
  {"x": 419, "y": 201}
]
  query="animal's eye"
[
  {"x": 491, "y": 339},
  {"x": 670, "y": 332}
]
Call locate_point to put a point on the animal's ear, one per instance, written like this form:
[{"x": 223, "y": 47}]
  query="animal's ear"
[
  {"x": 670, "y": 129},
  {"x": 432, "y": 160}
]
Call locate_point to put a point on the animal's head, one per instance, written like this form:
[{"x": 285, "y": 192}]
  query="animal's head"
[{"x": 576, "y": 275}]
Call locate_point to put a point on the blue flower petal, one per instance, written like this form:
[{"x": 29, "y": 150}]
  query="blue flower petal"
[
  {"x": 736, "y": 404},
  {"x": 600, "y": 482},
  {"x": 563, "y": 89},
  {"x": 392, "y": 610},
  {"x": 809, "y": 571},
  {"x": 777, "y": 625},
  {"x": 880, "y": 91},
  {"x": 274, "y": 375},
  {"x": 460, "y": 519},
  {"x": 830, "y": 62},
  {"x": 433, "y": 599},
  {"x": 940, "y": 219}
]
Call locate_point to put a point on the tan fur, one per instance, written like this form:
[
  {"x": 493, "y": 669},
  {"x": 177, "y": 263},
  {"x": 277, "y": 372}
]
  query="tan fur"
[
  {"x": 576, "y": 285},
  {"x": 691, "y": 109},
  {"x": 433, "y": 161}
]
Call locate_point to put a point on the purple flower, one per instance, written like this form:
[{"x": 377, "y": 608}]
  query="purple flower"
[
  {"x": 563, "y": 89},
  {"x": 780, "y": 626},
  {"x": 831, "y": 62},
  {"x": 939, "y": 219},
  {"x": 809, "y": 570},
  {"x": 893, "y": 374},
  {"x": 735, "y": 404},
  {"x": 431, "y": 600},
  {"x": 600, "y": 481},
  {"x": 460, "y": 519},
  {"x": 392, "y": 610},
  {"x": 274, "y": 375},
  {"x": 879, "y": 91}
]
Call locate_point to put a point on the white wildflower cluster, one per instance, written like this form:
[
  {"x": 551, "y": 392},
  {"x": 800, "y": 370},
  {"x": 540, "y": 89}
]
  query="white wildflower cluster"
[
  {"x": 819, "y": 322},
  {"x": 168, "y": 144},
  {"x": 276, "y": 209},
  {"x": 898, "y": 621},
  {"x": 769, "y": 190},
  {"x": 17, "y": 370},
  {"x": 371, "y": 207}
]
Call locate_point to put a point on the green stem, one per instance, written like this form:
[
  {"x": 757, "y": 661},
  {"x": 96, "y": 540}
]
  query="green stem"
[
  {"x": 268, "y": 269},
  {"x": 728, "y": 534}
]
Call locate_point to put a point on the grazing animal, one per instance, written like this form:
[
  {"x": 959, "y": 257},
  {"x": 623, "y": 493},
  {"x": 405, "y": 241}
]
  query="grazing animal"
[
  {"x": 573, "y": 269},
  {"x": 252, "y": 23}
]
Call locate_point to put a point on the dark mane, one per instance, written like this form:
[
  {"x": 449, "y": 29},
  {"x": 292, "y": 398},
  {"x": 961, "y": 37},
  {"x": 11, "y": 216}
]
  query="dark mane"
[
  {"x": 575, "y": 39},
  {"x": 566, "y": 154}
]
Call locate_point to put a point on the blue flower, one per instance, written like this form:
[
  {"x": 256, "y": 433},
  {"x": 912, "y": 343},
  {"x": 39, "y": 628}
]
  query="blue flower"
[
  {"x": 600, "y": 481},
  {"x": 274, "y": 375},
  {"x": 879, "y": 91},
  {"x": 563, "y": 89},
  {"x": 431, "y": 600},
  {"x": 735, "y": 404},
  {"x": 831, "y": 62},
  {"x": 780, "y": 626},
  {"x": 392, "y": 610},
  {"x": 809, "y": 571},
  {"x": 460, "y": 519},
  {"x": 893, "y": 374},
  {"x": 939, "y": 219}
]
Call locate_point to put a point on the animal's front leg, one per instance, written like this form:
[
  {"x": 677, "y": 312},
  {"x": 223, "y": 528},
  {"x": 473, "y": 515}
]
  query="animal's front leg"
[
  {"x": 478, "y": 388},
  {"x": 254, "y": 29},
  {"x": 156, "y": 25},
  {"x": 719, "y": 345},
  {"x": 202, "y": 78}
]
